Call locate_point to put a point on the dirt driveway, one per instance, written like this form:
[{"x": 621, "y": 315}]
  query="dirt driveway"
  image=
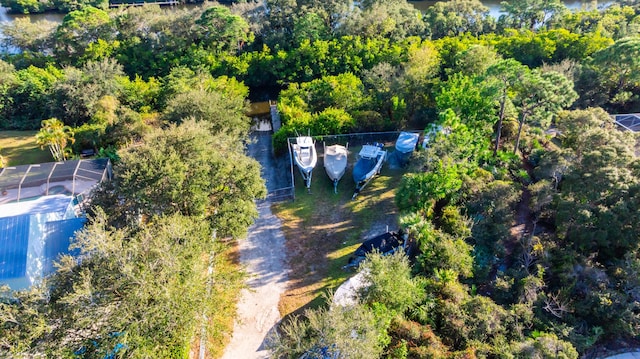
[{"x": 263, "y": 255}]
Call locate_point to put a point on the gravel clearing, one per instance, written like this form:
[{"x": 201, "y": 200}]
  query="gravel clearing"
[{"x": 263, "y": 255}]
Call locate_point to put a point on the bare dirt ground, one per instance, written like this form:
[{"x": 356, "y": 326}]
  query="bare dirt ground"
[{"x": 262, "y": 253}]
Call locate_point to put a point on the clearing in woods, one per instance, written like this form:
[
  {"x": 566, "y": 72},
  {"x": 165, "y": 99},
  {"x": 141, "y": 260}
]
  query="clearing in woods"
[{"x": 322, "y": 229}]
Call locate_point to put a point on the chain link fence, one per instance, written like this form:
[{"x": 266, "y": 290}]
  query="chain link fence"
[{"x": 352, "y": 139}]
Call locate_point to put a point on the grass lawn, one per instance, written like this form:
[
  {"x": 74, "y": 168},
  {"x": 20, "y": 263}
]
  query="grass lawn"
[
  {"x": 20, "y": 148},
  {"x": 323, "y": 229}
]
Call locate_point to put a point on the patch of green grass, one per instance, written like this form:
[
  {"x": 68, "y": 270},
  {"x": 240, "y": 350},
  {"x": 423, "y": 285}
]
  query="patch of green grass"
[{"x": 20, "y": 148}]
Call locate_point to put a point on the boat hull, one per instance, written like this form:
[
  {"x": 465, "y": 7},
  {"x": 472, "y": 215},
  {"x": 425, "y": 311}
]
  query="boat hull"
[
  {"x": 305, "y": 157},
  {"x": 335, "y": 162}
]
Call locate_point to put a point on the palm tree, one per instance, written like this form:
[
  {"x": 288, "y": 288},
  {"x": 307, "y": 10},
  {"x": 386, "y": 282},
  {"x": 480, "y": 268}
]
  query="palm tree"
[{"x": 55, "y": 134}]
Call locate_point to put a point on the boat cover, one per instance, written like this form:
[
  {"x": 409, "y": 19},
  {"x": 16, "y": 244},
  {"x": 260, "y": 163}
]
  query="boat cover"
[
  {"x": 407, "y": 142},
  {"x": 384, "y": 243},
  {"x": 362, "y": 168},
  {"x": 335, "y": 161}
]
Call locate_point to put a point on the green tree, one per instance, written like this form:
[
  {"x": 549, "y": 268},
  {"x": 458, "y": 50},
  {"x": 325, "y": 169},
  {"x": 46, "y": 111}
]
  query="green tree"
[
  {"x": 616, "y": 21},
  {"x": 332, "y": 121},
  {"x": 71, "y": 5},
  {"x": 219, "y": 101},
  {"x": 79, "y": 28},
  {"x": 471, "y": 99},
  {"x": 76, "y": 95},
  {"x": 419, "y": 75},
  {"x": 596, "y": 207},
  {"x": 186, "y": 169},
  {"x": 55, "y": 135},
  {"x": 393, "y": 19},
  {"x": 475, "y": 60},
  {"x": 439, "y": 252},
  {"x": 617, "y": 68},
  {"x": 140, "y": 95},
  {"x": 30, "y": 97},
  {"x": 333, "y": 13},
  {"x": 137, "y": 287},
  {"x": 382, "y": 82},
  {"x": 421, "y": 191},
  {"x": 546, "y": 345},
  {"x": 528, "y": 14},
  {"x": 453, "y": 18},
  {"x": 29, "y": 36},
  {"x": 220, "y": 30},
  {"x": 24, "y": 320},
  {"x": 346, "y": 332},
  {"x": 7, "y": 81},
  {"x": 388, "y": 281},
  {"x": 507, "y": 74},
  {"x": 28, "y": 6},
  {"x": 309, "y": 26},
  {"x": 106, "y": 291},
  {"x": 529, "y": 47},
  {"x": 344, "y": 91},
  {"x": 542, "y": 95},
  {"x": 152, "y": 41}
]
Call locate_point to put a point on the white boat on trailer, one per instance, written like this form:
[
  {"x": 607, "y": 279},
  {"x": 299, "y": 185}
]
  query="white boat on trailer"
[
  {"x": 371, "y": 158},
  {"x": 305, "y": 157},
  {"x": 335, "y": 163}
]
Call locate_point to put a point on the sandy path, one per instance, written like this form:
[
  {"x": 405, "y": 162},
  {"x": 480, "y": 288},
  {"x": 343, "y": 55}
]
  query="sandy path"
[{"x": 263, "y": 255}]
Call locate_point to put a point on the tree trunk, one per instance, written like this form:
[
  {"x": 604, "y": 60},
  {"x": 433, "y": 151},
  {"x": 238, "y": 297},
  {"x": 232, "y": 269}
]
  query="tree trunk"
[
  {"x": 56, "y": 152},
  {"x": 500, "y": 118},
  {"x": 524, "y": 117}
]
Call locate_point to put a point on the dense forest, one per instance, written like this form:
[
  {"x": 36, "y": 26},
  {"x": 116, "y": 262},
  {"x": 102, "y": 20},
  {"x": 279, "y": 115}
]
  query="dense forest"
[{"x": 523, "y": 211}]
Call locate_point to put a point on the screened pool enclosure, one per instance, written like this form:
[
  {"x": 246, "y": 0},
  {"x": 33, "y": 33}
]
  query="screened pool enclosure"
[
  {"x": 40, "y": 212},
  {"x": 19, "y": 183}
]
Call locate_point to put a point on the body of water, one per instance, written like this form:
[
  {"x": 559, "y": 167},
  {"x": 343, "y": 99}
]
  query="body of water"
[
  {"x": 5, "y": 16},
  {"x": 494, "y": 5}
]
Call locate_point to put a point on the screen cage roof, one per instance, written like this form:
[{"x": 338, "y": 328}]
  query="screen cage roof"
[
  {"x": 630, "y": 122},
  {"x": 70, "y": 177}
]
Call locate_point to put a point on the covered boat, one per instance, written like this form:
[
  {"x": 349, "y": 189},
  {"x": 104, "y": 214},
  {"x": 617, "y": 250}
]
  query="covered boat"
[
  {"x": 335, "y": 163},
  {"x": 431, "y": 132},
  {"x": 305, "y": 157},
  {"x": 371, "y": 158},
  {"x": 385, "y": 244},
  {"x": 405, "y": 145}
]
